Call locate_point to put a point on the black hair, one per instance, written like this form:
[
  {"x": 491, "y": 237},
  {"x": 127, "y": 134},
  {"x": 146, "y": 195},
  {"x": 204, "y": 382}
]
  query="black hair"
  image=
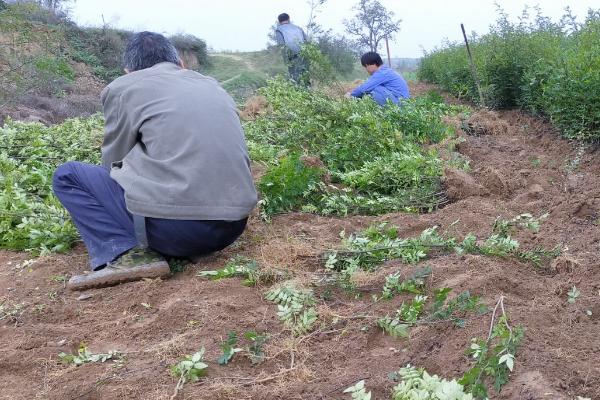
[
  {"x": 283, "y": 17},
  {"x": 146, "y": 49},
  {"x": 371, "y": 58}
]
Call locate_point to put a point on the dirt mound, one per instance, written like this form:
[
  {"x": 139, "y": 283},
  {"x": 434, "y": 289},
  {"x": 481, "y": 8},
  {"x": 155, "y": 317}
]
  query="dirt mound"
[
  {"x": 485, "y": 122},
  {"x": 78, "y": 98},
  {"x": 526, "y": 168},
  {"x": 460, "y": 185}
]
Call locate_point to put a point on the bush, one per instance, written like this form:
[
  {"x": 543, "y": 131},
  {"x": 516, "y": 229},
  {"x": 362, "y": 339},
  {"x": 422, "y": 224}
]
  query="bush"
[
  {"x": 286, "y": 185},
  {"x": 35, "y": 60},
  {"x": 570, "y": 94},
  {"x": 371, "y": 152},
  {"x": 340, "y": 50},
  {"x": 190, "y": 43},
  {"x": 100, "y": 48},
  {"x": 547, "y": 68}
]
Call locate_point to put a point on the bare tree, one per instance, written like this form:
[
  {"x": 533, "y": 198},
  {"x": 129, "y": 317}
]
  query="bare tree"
[
  {"x": 312, "y": 27},
  {"x": 371, "y": 24},
  {"x": 52, "y": 4}
]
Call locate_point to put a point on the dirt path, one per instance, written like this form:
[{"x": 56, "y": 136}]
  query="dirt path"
[
  {"x": 247, "y": 64},
  {"x": 518, "y": 164}
]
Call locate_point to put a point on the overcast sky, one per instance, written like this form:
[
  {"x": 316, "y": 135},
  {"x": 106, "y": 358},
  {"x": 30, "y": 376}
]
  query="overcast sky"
[{"x": 243, "y": 24}]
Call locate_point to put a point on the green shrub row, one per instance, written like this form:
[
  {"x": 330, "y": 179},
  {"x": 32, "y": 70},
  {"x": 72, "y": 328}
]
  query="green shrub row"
[{"x": 550, "y": 69}]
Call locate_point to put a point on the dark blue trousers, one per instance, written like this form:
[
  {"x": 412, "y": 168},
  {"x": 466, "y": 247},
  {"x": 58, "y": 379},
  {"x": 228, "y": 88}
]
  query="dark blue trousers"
[
  {"x": 381, "y": 95},
  {"x": 96, "y": 203}
]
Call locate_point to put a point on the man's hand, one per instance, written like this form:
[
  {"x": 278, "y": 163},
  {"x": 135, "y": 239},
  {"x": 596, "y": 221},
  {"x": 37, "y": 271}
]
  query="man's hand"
[{"x": 348, "y": 95}]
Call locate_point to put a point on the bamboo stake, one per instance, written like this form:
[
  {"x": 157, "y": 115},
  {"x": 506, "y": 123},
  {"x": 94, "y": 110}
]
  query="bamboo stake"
[
  {"x": 473, "y": 70},
  {"x": 387, "y": 46}
]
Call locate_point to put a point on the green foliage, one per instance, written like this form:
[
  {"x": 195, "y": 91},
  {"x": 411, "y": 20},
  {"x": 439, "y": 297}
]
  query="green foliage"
[
  {"x": 393, "y": 285},
  {"x": 454, "y": 310},
  {"x": 547, "y": 68},
  {"x": 285, "y": 185},
  {"x": 295, "y": 307},
  {"x": 500, "y": 243},
  {"x": 254, "y": 349},
  {"x": 573, "y": 295},
  {"x": 442, "y": 309},
  {"x": 405, "y": 317},
  {"x": 31, "y": 218},
  {"x": 341, "y": 52},
  {"x": 100, "y": 48},
  {"x": 189, "y": 43},
  {"x": 494, "y": 359},
  {"x": 378, "y": 243},
  {"x": 228, "y": 348},
  {"x": 527, "y": 221},
  {"x": 397, "y": 171},
  {"x": 190, "y": 369},
  {"x": 84, "y": 356},
  {"x": 372, "y": 152},
  {"x": 33, "y": 56},
  {"x": 320, "y": 70},
  {"x": 417, "y": 384},
  {"x": 239, "y": 266},
  {"x": 358, "y": 391},
  {"x": 571, "y": 92}
]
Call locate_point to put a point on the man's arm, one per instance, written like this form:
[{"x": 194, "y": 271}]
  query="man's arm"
[
  {"x": 119, "y": 137},
  {"x": 371, "y": 83}
]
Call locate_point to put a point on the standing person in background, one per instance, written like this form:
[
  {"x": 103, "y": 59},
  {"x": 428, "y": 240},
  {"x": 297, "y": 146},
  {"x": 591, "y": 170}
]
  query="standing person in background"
[
  {"x": 383, "y": 85},
  {"x": 291, "y": 37}
]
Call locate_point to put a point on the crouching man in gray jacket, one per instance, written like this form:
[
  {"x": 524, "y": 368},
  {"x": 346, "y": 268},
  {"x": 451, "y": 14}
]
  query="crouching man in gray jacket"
[{"x": 175, "y": 178}]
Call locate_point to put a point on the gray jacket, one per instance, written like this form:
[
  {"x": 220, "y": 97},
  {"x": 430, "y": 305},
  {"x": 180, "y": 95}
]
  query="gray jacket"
[
  {"x": 174, "y": 142},
  {"x": 290, "y": 36}
]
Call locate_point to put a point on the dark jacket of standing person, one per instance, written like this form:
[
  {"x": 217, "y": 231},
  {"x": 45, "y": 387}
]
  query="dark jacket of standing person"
[
  {"x": 289, "y": 35},
  {"x": 291, "y": 38}
]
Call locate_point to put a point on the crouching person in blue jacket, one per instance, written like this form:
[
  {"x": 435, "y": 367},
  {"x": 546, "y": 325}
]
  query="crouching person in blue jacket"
[
  {"x": 383, "y": 85},
  {"x": 175, "y": 178}
]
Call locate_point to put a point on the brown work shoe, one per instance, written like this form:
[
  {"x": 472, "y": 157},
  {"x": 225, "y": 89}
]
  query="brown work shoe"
[{"x": 134, "y": 265}]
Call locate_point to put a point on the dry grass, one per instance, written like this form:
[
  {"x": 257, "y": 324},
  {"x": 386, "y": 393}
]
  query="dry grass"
[
  {"x": 254, "y": 107},
  {"x": 485, "y": 122}
]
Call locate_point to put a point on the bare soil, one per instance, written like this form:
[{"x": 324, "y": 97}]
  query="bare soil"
[{"x": 522, "y": 167}]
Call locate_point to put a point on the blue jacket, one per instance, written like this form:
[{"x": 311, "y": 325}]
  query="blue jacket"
[{"x": 393, "y": 83}]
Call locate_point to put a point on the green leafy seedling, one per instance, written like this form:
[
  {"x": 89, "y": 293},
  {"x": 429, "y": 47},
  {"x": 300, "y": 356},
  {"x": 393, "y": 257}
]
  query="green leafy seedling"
[
  {"x": 255, "y": 349},
  {"x": 190, "y": 369},
  {"x": 228, "y": 348},
  {"x": 358, "y": 391},
  {"x": 84, "y": 356},
  {"x": 572, "y": 295}
]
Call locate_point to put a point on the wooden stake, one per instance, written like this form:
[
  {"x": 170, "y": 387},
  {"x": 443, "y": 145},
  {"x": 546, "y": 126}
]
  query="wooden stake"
[
  {"x": 387, "y": 46},
  {"x": 473, "y": 70}
]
